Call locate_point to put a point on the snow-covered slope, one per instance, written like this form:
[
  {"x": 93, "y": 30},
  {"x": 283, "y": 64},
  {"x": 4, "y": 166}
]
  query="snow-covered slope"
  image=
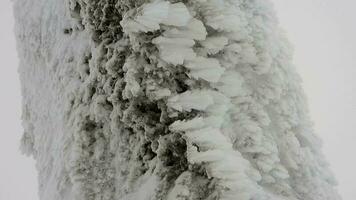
[{"x": 146, "y": 100}]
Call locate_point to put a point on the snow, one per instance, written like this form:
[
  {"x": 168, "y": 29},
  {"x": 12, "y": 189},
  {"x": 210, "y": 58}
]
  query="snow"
[
  {"x": 223, "y": 15},
  {"x": 199, "y": 136},
  {"x": 195, "y": 29},
  {"x": 208, "y": 69},
  {"x": 178, "y": 15},
  {"x": 180, "y": 190},
  {"x": 230, "y": 83},
  {"x": 214, "y": 44},
  {"x": 146, "y": 191},
  {"x": 176, "y": 46},
  {"x": 149, "y": 18},
  {"x": 132, "y": 87},
  {"x": 151, "y": 15},
  {"x": 161, "y": 93},
  {"x": 175, "y": 50},
  {"x": 198, "y": 100},
  {"x": 196, "y": 123},
  {"x": 180, "y": 100}
]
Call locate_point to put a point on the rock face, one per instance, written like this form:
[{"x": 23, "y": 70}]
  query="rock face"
[{"x": 165, "y": 100}]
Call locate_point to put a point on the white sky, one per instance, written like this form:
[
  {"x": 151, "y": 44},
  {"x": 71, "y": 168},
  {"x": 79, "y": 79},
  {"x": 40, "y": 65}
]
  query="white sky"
[
  {"x": 324, "y": 35},
  {"x": 17, "y": 172}
]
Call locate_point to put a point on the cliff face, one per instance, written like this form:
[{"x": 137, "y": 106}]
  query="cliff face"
[{"x": 146, "y": 100}]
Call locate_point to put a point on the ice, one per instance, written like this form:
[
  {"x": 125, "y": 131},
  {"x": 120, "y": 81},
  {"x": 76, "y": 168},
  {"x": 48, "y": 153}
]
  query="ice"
[
  {"x": 149, "y": 18},
  {"x": 214, "y": 44},
  {"x": 208, "y": 69},
  {"x": 178, "y": 15},
  {"x": 175, "y": 50},
  {"x": 197, "y": 100},
  {"x": 195, "y": 29},
  {"x": 171, "y": 100}
]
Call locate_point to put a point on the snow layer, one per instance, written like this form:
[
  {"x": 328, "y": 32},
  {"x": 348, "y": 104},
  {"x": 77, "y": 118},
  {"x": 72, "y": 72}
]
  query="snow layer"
[{"x": 155, "y": 99}]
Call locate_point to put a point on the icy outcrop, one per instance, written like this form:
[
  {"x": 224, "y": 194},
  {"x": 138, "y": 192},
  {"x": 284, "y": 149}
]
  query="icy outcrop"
[{"x": 158, "y": 99}]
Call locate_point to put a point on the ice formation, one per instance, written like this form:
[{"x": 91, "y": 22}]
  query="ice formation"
[{"x": 171, "y": 100}]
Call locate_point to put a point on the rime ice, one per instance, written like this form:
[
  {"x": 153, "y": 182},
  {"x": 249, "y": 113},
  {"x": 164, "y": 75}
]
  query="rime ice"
[{"x": 171, "y": 100}]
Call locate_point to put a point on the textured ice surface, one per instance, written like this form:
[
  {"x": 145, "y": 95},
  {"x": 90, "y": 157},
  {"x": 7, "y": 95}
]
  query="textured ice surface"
[{"x": 175, "y": 100}]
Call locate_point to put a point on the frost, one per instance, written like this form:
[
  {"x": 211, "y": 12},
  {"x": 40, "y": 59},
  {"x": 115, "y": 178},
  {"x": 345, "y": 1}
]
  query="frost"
[
  {"x": 175, "y": 50},
  {"x": 199, "y": 136},
  {"x": 208, "y": 69},
  {"x": 195, "y": 29},
  {"x": 149, "y": 18},
  {"x": 146, "y": 191},
  {"x": 132, "y": 87},
  {"x": 223, "y": 15},
  {"x": 151, "y": 15},
  {"x": 177, "y": 45},
  {"x": 230, "y": 84},
  {"x": 198, "y": 100},
  {"x": 181, "y": 190},
  {"x": 159, "y": 94},
  {"x": 178, "y": 15},
  {"x": 214, "y": 44},
  {"x": 196, "y": 123},
  {"x": 171, "y": 100}
]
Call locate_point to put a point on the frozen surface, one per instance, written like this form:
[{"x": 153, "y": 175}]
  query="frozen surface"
[{"x": 165, "y": 100}]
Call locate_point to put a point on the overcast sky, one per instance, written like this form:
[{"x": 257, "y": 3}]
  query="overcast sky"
[
  {"x": 324, "y": 35},
  {"x": 17, "y": 172}
]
